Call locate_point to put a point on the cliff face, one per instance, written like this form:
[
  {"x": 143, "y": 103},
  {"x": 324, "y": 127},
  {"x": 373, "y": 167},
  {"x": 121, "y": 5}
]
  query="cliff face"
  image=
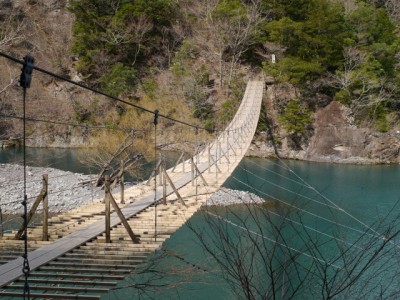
[{"x": 336, "y": 139}]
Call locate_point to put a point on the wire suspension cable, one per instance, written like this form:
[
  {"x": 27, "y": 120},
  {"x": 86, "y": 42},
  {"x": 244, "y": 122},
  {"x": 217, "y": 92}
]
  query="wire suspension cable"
[
  {"x": 290, "y": 191},
  {"x": 369, "y": 228},
  {"x": 306, "y": 211},
  {"x": 99, "y": 91},
  {"x": 296, "y": 222},
  {"x": 272, "y": 240}
]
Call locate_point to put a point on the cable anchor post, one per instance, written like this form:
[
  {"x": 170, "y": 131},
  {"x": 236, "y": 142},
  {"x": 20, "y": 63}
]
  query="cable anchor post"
[
  {"x": 155, "y": 122},
  {"x": 26, "y": 72},
  {"x": 25, "y": 82}
]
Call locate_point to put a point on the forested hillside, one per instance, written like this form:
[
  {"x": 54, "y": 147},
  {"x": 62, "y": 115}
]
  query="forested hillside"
[{"x": 191, "y": 59}]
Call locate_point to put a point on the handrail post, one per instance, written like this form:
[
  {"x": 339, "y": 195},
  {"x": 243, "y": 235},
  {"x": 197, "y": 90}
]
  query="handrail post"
[
  {"x": 107, "y": 204},
  {"x": 122, "y": 183},
  {"x": 164, "y": 183},
  {"x": 45, "y": 214},
  {"x": 209, "y": 158},
  {"x": 1, "y": 223}
]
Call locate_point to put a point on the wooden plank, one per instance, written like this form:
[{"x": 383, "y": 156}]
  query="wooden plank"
[
  {"x": 72, "y": 282},
  {"x": 80, "y": 276},
  {"x": 68, "y": 289},
  {"x": 51, "y": 296}
]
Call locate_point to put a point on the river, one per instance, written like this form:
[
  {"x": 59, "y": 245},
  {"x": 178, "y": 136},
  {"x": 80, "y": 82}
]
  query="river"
[{"x": 334, "y": 203}]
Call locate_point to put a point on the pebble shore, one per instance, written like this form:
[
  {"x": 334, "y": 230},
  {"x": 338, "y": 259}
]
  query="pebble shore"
[
  {"x": 224, "y": 197},
  {"x": 66, "y": 190}
]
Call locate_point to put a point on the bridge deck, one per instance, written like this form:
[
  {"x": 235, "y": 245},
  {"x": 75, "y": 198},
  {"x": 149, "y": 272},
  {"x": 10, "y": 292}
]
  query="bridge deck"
[{"x": 82, "y": 231}]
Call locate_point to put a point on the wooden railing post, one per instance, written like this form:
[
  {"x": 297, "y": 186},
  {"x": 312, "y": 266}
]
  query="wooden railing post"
[
  {"x": 45, "y": 213},
  {"x": 107, "y": 204},
  {"x": 122, "y": 183},
  {"x": 164, "y": 186},
  {"x": 209, "y": 158},
  {"x": 1, "y": 223}
]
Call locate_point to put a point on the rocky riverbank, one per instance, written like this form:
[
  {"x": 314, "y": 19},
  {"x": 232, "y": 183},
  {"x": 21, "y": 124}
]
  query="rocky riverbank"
[
  {"x": 66, "y": 190},
  {"x": 224, "y": 197}
]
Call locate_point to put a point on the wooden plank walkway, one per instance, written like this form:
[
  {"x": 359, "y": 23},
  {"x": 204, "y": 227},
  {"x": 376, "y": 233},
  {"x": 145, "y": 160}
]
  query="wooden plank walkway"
[{"x": 78, "y": 235}]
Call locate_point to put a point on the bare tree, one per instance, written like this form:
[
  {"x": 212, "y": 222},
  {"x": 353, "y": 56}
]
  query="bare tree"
[
  {"x": 266, "y": 251},
  {"x": 11, "y": 31},
  {"x": 233, "y": 33}
]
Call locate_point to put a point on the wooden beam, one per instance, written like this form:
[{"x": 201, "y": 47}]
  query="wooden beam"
[
  {"x": 198, "y": 172},
  {"x": 180, "y": 159},
  {"x": 154, "y": 173},
  {"x": 174, "y": 188},
  {"x": 128, "y": 228},
  {"x": 212, "y": 158},
  {"x": 31, "y": 212},
  {"x": 45, "y": 213}
]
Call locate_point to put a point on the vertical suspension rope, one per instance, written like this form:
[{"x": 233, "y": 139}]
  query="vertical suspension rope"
[
  {"x": 155, "y": 173},
  {"x": 1, "y": 223},
  {"x": 25, "y": 82},
  {"x": 197, "y": 160}
]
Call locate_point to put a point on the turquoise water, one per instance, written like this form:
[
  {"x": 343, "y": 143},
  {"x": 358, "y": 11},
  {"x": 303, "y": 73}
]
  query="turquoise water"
[
  {"x": 72, "y": 160},
  {"x": 348, "y": 208},
  {"x": 347, "y": 205}
]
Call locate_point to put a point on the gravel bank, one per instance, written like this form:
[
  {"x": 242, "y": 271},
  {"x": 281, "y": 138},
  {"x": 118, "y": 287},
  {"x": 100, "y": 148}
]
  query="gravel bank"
[
  {"x": 67, "y": 190},
  {"x": 224, "y": 197}
]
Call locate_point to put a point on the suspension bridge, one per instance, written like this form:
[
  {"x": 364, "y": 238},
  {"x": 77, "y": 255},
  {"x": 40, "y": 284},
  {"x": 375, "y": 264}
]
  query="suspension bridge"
[{"x": 88, "y": 250}]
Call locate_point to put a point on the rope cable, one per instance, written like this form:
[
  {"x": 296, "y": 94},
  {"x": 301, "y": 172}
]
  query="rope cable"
[
  {"x": 272, "y": 240},
  {"x": 383, "y": 237},
  {"x": 296, "y": 222},
  {"x": 288, "y": 190},
  {"x": 96, "y": 91},
  {"x": 305, "y": 211}
]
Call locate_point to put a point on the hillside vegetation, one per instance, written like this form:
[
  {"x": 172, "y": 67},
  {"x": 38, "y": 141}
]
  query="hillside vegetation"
[{"x": 191, "y": 59}]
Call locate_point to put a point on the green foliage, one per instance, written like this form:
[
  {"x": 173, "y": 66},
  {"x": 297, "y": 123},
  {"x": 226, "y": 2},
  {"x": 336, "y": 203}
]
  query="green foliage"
[
  {"x": 233, "y": 10},
  {"x": 294, "y": 70},
  {"x": 209, "y": 124},
  {"x": 318, "y": 37},
  {"x": 120, "y": 79},
  {"x": 183, "y": 57},
  {"x": 129, "y": 32},
  {"x": 228, "y": 108},
  {"x": 371, "y": 25},
  {"x": 149, "y": 86},
  {"x": 293, "y": 9},
  {"x": 313, "y": 38},
  {"x": 379, "y": 116},
  {"x": 296, "y": 118}
]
